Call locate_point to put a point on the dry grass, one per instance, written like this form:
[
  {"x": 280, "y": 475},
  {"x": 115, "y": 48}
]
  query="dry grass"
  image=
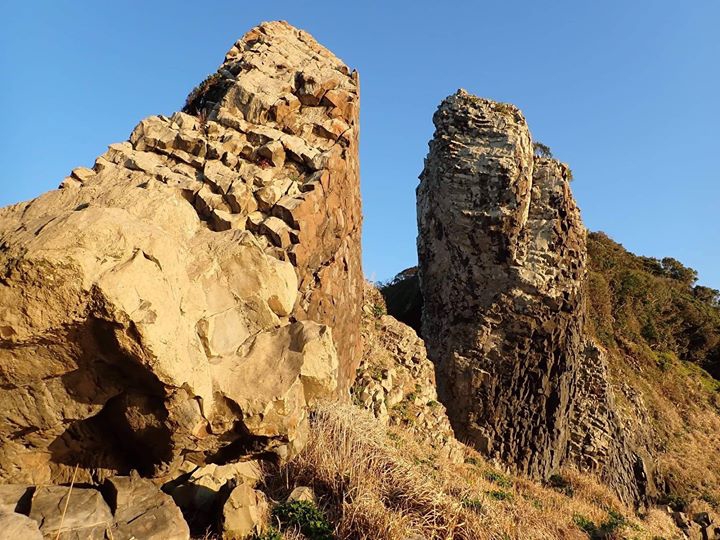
[{"x": 384, "y": 485}]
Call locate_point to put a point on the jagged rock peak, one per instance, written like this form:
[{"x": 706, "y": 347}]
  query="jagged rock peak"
[
  {"x": 188, "y": 296},
  {"x": 502, "y": 252}
]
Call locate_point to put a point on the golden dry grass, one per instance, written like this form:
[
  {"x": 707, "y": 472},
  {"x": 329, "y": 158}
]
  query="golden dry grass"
[{"x": 384, "y": 485}]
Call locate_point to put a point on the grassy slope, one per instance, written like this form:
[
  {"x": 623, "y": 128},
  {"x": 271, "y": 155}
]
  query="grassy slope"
[
  {"x": 663, "y": 336},
  {"x": 382, "y": 484}
]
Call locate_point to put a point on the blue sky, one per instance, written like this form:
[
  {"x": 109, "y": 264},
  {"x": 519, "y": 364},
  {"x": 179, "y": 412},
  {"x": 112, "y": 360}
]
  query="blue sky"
[{"x": 626, "y": 92}]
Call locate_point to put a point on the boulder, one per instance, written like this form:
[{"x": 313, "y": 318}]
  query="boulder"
[
  {"x": 141, "y": 510},
  {"x": 15, "y": 526},
  {"x": 129, "y": 296},
  {"x": 16, "y": 498},
  {"x": 74, "y": 513},
  {"x": 200, "y": 490},
  {"x": 245, "y": 512}
]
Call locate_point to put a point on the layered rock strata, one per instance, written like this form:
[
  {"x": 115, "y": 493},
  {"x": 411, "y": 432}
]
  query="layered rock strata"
[
  {"x": 502, "y": 269},
  {"x": 187, "y": 297}
]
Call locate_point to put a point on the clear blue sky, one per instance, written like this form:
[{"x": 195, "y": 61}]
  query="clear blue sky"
[{"x": 626, "y": 92}]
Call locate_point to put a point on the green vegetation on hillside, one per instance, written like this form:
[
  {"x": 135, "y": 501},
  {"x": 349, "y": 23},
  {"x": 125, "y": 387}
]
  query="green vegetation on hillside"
[{"x": 652, "y": 305}]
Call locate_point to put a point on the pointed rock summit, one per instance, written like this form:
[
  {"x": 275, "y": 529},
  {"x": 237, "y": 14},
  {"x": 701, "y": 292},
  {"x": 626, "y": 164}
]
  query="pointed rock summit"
[
  {"x": 502, "y": 253},
  {"x": 188, "y": 296}
]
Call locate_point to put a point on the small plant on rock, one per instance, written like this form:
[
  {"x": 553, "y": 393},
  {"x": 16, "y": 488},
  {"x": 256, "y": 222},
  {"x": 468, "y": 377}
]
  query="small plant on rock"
[{"x": 542, "y": 150}]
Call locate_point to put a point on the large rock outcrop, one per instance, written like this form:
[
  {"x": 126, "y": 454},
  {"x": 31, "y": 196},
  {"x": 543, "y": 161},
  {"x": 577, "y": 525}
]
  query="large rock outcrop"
[
  {"x": 502, "y": 271},
  {"x": 188, "y": 296}
]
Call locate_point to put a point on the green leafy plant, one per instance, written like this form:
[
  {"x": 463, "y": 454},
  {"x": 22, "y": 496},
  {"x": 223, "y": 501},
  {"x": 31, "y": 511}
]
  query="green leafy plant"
[
  {"x": 378, "y": 310},
  {"x": 271, "y": 533},
  {"x": 585, "y": 524},
  {"x": 306, "y": 517},
  {"x": 499, "y": 479},
  {"x": 606, "y": 529}
]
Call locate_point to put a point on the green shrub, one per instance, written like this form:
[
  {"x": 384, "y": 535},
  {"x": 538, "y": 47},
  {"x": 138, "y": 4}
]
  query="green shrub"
[
  {"x": 711, "y": 499},
  {"x": 606, "y": 529},
  {"x": 500, "y": 495},
  {"x": 585, "y": 524},
  {"x": 676, "y": 502},
  {"x": 542, "y": 150},
  {"x": 270, "y": 534},
  {"x": 473, "y": 504},
  {"x": 499, "y": 479},
  {"x": 306, "y": 517},
  {"x": 378, "y": 310},
  {"x": 665, "y": 360}
]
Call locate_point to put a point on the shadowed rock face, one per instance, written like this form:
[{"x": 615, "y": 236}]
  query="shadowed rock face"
[
  {"x": 193, "y": 292},
  {"x": 502, "y": 267}
]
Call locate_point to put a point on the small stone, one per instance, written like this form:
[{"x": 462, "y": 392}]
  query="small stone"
[
  {"x": 83, "y": 174},
  {"x": 273, "y": 152},
  {"x": 302, "y": 493}
]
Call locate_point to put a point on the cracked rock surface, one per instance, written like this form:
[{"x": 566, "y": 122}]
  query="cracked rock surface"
[{"x": 188, "y": 296}]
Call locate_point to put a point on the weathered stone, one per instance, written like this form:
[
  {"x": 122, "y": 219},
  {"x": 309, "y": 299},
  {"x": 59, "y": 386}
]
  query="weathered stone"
[
  {"x": 15, "y": 498},
  {"x": 141, "y": 510},
  {"x": 75, "y": 513},
  {"x": 273, "y": 152},
  {"x": 304, "y": 364},
  {"x": 502, "y": 266},
  {"x": 126, "y": 295},
  {"x": 15, "y": 526},
  {"x": 302, "y": 493},
  {"x": 244, "y": 513}
]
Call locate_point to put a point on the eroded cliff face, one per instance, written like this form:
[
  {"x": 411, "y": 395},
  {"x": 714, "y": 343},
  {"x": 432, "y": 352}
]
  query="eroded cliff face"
[
  {"x": 190, "y": 295},
  {"x": 502, "y": 270}
]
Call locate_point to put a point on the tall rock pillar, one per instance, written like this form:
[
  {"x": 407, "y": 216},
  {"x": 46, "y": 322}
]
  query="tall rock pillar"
[{"x": 502, "y": 262}]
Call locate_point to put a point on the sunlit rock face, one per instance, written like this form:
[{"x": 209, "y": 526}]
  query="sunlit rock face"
[{"x": 188, "y": 297}]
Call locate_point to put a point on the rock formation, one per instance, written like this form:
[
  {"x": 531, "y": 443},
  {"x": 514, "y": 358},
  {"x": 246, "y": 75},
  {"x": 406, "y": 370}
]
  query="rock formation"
[
  {"x": 396, "y": 381},
  {"x": 502, "y": 270},
  {"x": 186, "y": 298}
]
